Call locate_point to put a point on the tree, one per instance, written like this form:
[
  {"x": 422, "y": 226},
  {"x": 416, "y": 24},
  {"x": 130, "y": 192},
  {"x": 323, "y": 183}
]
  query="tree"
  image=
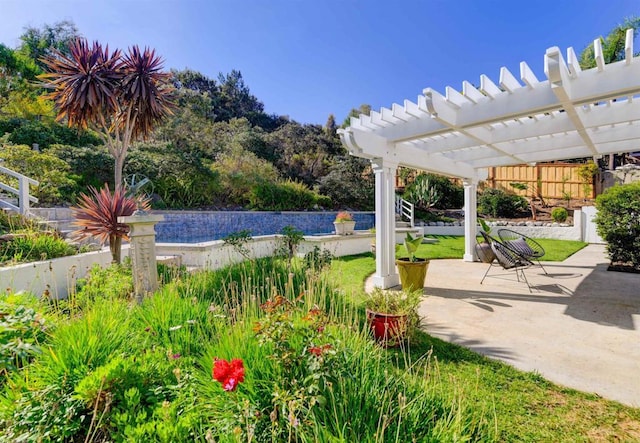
[
  {"x": 121, "y": 96},
  {"x": 612, "y": 51},
  {"x": 612, "y": 45},
  {"x": 38, "y": 43},
  {"x": 235, "y": 98},
  {"x": 355, "y": 112}
]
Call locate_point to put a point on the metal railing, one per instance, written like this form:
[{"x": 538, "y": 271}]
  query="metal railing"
[
  {"x": 24, "y": 198},
  {"x": 405, "y": 210}
]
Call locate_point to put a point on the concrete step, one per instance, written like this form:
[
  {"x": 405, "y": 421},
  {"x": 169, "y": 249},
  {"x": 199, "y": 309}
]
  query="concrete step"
[{"x": 403, "y": 224}]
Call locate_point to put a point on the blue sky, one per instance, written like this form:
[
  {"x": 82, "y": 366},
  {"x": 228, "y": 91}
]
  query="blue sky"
[{"x": 310, "y": 58}]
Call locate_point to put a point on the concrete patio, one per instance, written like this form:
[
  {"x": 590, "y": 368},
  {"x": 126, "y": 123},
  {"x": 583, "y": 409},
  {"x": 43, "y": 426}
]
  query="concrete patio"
[{"x": 579, "y": 327}]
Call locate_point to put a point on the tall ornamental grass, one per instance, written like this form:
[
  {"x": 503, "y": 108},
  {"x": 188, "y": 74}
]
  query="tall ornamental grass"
[{"x": 303, "y": 369}]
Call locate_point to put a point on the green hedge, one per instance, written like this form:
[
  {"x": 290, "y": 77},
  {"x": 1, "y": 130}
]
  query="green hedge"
[
  {"x": 285, "y": 196},
  {"x": 618, "y": 222}
]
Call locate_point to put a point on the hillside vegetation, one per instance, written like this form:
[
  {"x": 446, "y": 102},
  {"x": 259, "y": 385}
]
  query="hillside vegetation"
[{"x": 219, "y": 148}]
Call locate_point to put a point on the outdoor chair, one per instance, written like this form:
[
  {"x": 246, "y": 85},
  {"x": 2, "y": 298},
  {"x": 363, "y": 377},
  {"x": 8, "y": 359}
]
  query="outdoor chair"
[
  {"x": 509, "y": 259},
  {"x": 525, "y": 246}
]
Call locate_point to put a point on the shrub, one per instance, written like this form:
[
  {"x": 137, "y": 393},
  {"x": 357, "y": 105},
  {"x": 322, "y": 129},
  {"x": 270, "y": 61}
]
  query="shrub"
[
  {"x": 180, "y": 179},
  {"x": 283, "y": 196},
  {"x": 112, "y": 282},
  {"x": 56, "y": 184},
  {"x": 497, "y": 203},
  {"x": 34, "y": 246},
  {"x": 449, "y": 194},
  {"x": 559, "y": 215},
  {"x": 618, "y": 222},
  {"x": 22, "y": 331}
]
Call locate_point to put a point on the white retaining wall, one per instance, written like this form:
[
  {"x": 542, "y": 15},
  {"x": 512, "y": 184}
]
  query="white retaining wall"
[
  {"x": 58, "y": 275},
  {"x": 583, "y": 228},
  {"x": 55, "y": 276}
]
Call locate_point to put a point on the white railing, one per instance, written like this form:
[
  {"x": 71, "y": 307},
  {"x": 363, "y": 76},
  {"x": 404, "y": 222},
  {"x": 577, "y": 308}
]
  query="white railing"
[
  {"x": 22, "y": 192},
  {"x": 405, "y": 209}
]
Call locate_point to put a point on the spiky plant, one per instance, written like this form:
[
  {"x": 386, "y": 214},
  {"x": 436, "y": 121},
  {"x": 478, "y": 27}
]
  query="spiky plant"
[
  {"x": 97, "y": 216},
  {"x": 120, "y": 96}
]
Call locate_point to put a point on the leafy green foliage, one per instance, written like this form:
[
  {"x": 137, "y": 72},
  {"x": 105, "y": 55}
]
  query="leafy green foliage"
[
  {"x": 498, "y": 203},
  {"x": 285, "y": 196},
  {"x": 350, "y": 183},
  {"x": 317, "y": 259},
  {"x": 90, "y": 165},
  {"x": 56, "y": 183},
  {"x": 618, "y": 223},
  {"x": 433, "y": 190},
  {"x": 113, "y": 282},
  {"x": 180, "y": 179},
  {"x": 22, "y": 332},
  {"x": 34, "y": 246},
  {"x": 288, "y": 242},
  {"x": 411, "y": 245},
  {"x": 559, "y": 215},
  {"x": 238, "y": 241},
  {"x": 612, "y": 45}
]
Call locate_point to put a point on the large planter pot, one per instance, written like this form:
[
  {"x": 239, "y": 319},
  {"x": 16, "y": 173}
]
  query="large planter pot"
[
  {"x": 485, "y": 253},
  {"x": 388, "y": 329},
  {"x": 344, "y": 228},
  {"x": 412, "y": 274}
]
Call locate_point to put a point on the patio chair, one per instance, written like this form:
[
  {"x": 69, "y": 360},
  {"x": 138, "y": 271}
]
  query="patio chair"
[
  {"x": 509, "y": 259},
  {"x": 525, "y": 246}
]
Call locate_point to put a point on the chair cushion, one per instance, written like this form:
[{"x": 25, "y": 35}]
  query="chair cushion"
[{"x": 521, "y": 246}]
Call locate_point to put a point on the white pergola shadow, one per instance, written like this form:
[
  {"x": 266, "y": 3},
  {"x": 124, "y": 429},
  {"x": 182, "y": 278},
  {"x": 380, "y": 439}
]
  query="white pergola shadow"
[{"x": 571, "y": 114}]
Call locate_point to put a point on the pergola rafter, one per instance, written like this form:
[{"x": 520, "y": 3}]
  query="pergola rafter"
[{"x": 520, "y": 119}]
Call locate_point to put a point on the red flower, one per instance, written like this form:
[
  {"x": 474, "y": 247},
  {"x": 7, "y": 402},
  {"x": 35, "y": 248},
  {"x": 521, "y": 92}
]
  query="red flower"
[
  {"x": 229, "y": 374},
  {"x": 319, "y": 350}
]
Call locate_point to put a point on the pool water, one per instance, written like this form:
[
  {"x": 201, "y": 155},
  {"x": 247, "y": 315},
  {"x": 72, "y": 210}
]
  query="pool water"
[{"x": 200, "y": 226}]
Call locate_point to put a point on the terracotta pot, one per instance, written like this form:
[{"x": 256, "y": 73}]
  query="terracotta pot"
[
  {"x": 412, "y": 274},
  {"x": 387, "y": 329}
]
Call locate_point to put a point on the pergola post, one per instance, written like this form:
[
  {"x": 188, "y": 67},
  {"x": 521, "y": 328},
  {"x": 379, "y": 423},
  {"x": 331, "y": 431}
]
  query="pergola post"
[
  {"x": 470, "y": 219},
  {"x": 385, "y": 174}
]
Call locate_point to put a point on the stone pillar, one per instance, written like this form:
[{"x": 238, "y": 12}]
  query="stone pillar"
[
  {"x": 386, "y": 275},
  {"x": 470, "y": 219},
  {"x": 143, "y": 252}
]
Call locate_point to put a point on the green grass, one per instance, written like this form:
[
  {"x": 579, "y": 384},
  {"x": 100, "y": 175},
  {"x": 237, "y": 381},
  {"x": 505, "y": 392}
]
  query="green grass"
[
  {"x": 450, "y": 246},
  {"x": 526, "y": 407}
]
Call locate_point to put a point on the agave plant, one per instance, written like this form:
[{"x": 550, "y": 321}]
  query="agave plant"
[
  {"x": 97, "y": 216},
  {"x": 120, "y": 96}
]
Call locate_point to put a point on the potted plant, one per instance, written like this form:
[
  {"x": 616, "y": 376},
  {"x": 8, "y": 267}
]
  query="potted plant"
[
  {"x": 392, "y": 314},
  {"x": 344, "y": 223},
  {"x": 412, "y": 270},
  {"x": 483, "y": 249}
]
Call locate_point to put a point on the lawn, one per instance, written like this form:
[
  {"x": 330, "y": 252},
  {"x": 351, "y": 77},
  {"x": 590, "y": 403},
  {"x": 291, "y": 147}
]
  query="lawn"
[
  {"x": 263, "y": 351},
  {"x": 449, "y": 246},
  {"x": 524, "y": 406}
]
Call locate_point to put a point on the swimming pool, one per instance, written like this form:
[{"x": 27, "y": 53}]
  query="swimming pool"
[{"x": 199, "y": 226}]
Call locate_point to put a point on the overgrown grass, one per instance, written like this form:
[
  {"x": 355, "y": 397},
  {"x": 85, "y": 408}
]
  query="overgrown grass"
[
  {"x": 117, "y": 371},
  {"x": 526, "y": 406}
]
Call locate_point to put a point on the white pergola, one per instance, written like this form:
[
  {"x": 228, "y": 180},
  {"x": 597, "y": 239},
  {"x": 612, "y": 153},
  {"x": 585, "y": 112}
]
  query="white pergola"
[{"x": 570, "y": 114}]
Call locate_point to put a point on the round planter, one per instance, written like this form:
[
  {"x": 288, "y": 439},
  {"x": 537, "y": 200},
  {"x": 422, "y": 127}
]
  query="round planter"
[
  {"x": 412, "y": 274},
  {"x": 388, "y": 329},
  {"x": 485, "y": 253},
  {"x": 345, "y": 227}
]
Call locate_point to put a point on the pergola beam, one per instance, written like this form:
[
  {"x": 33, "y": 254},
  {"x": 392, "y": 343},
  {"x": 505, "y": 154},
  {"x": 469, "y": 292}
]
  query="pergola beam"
[{"x": 570, "y": 114}]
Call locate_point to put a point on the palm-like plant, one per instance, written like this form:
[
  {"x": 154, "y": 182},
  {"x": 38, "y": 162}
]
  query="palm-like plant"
[
  {"x": 120, "y": 96},
  {"x": 97, "y": 216}
]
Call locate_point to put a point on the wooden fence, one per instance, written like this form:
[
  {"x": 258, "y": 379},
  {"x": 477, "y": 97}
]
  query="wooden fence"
[{"x": 549, "y": 180}]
